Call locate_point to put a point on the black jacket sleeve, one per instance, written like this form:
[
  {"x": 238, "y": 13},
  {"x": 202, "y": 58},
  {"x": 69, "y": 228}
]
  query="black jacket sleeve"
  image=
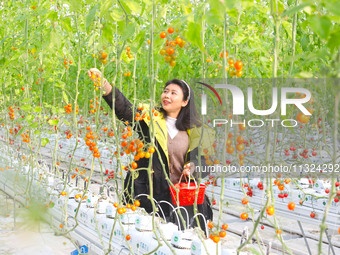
[{"x": 123, "y": 106}]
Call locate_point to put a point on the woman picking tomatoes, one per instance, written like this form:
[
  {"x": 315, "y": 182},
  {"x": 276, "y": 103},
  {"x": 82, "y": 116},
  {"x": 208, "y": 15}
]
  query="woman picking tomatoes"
[{"x": 177, "y": 131}]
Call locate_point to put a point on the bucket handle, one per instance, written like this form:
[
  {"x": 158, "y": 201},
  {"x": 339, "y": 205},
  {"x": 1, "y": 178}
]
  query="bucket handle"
[{"x": 189, "y": 179}]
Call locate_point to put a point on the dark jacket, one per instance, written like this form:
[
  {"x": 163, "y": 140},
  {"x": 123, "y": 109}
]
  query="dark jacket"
[{"x": 124, "y": 112}]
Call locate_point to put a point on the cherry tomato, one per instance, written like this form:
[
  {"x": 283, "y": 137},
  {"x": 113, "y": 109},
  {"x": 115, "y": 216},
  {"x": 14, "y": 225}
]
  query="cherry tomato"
[
  {"x": 170, "y": 30},
  {"x": 244, "y": 216},
  {"x": 238, "y": 65},
  {"x": 270, "y": 210},
  {"x": 291, "y": 206},
  {"x": 163, "y": 35}
]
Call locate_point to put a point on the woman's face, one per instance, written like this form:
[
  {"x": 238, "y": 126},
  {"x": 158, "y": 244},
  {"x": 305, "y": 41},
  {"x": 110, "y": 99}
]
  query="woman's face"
[{"x": 172, "y": 100}]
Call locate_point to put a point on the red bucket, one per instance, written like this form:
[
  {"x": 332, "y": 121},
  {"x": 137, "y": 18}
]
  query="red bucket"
[{"x": 187, "y": 193}]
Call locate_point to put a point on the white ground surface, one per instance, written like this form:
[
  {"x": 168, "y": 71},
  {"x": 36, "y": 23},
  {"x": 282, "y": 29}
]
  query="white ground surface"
[{"x": 27, "y": 237}]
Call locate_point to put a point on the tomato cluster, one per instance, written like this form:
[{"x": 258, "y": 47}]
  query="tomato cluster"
[
  {"x": 280, "y": 185},
  {"x": 37, "y": 82},
  {"x": 208, "y": 159},
  {"x": 249, "y": 189},
  {"x": 25, "y": 137},
  {"x": 103, "y": 57},
  {"x": 91, "y": 144},
  {"x": 216, "y": 234},
  {"x": 68, "y": 108},
  {"x": 11, "y": 113},
  {"x": 168, "y": 50},
  {"x": 127, "y": 74},
  {"x": 96, "y": 84},
  {"x": 128, "y": 52},
  {"x": 68, "y": 133},
  {"x": 110, "y": 175},
  {"x": 67, "y": 62},
  {"x": 93, "y": 107},
  {"x": 142, "y": 114},
  {"x": 122, "y": 210},
  {"x": 235, "y": 69},
  {"x": 212, "y": 180},
  {"x": 136, "y": 147},
  {"x": 302, "y": 118},
  {"x": 78, "y": 196},
  {"x": 260, "y": 186},
  {"x": 239, "y": 147}
]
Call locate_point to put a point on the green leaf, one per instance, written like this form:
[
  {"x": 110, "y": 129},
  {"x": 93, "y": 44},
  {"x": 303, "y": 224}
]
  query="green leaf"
[
  {"x": 308, "y": 10},
  {"x": 140, "y": 38},
  {"x": 247, "y": 4},
  {"x": 26, "y": 107},
  {"x": 288, "y": 27},
  {"x": 2, "y": 61},
  {"x": 126, "y": 7},
  {"x": 230, "y": 4},
  {"x": 143, "y": 8},
  {"x": 333, "y": 7},
  {"x": 65, "y": 97},
  {"x": 134, "y": 6},
  {"x": 19, "y": 132},
  {"x": 60, "y": 84},
  {"x": 67, "y": 24},
  {"x": 54, "y": 40},
  {"x": 128, "y": 32},
  {"x": 37, "y": 109},
  {"x": 51, "y": 205},
  {"x": 108, "y": 32},
  {"x": 280, "y": 6},
  {"x": 53, "y": 16},
  {"x": 218, "y": 7},
  {"x": 334, "y": 40},
  {"x": 34, "y": 125},
  {"x": 117, "y": 14},
  {"x": 238, "y": 39},
  {"x": 193, "y": 34},
  {"x": 75, "y": 5},
  {"x": 3, "y": 40},
  {"x": 37, "y": 132},
  {"x": 26, "y": 100},
  {"x": 66, "y": 122},
  {"x": 90, "y": 17},
  {"x": 105, "y": 7},
  {"x": 121, "y": 27},
  {"x": 304, "y": 75},
  {"x": 296, "y": 9},
  {"x": 53, "y": 122},
  {"x": 44, "y": 141},
  {"x": 29, "y": 118},
  {"x": 320, "y": 25},
  {"x": 213, "y": 17}
]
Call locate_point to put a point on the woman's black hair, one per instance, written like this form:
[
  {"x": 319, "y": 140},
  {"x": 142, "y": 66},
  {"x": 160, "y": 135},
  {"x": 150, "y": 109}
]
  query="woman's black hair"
[{"x": 188, "y": 116}]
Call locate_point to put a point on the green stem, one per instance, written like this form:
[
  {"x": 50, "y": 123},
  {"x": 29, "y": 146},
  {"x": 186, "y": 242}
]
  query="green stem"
[{"x": 293, "y": 40}]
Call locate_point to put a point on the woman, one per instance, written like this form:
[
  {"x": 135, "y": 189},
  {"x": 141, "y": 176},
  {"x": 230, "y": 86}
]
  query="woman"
[{"x": 177, "y": 133}]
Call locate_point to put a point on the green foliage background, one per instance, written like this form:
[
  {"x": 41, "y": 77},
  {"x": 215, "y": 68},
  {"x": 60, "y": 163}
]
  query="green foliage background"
[{"x": 77, "y": 29}]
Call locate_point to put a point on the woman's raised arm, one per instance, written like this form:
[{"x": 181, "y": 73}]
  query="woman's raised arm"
[{"x": 123, "y": 106}]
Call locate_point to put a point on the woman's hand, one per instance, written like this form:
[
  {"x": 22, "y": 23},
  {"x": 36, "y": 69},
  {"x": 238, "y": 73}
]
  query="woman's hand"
[
  {"x": 189, "y": 169},
  {"x": 94, "y": 74}
]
